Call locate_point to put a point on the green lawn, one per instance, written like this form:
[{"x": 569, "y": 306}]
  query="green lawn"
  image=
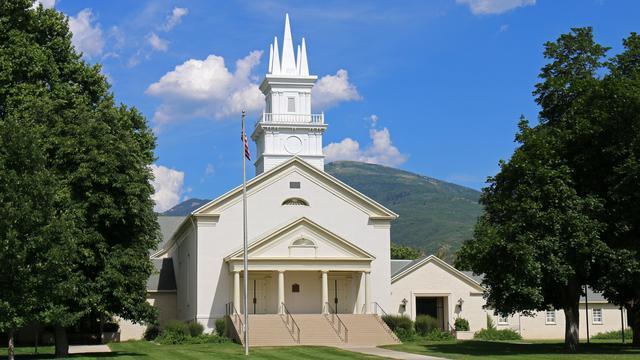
[
  {"x": 516, "y": 350},
  {"x": 139, "y": 350}
]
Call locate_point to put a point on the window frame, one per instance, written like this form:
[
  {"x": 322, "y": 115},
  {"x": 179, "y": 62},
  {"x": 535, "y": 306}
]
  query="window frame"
[
  {"x": 546, "y": 317},
  {"x": 593, "y": 316}
]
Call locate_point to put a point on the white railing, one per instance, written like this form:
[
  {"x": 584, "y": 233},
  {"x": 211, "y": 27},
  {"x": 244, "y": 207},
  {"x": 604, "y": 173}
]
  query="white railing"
[{"x": 292, "y": 118}]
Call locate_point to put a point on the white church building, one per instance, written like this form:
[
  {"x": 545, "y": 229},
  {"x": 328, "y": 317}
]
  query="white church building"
[{"x": 317, "y": 247}]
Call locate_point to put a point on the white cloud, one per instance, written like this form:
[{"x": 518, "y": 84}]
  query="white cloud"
[
  {"x": 484, "y": 7},
  {"x": 87, "y": 37},
  {"x": 47, "y": 4},
  {"x": 168, "y": 187},
  {"x": 374, "y": 120},
  {"x": 380, "y": 151},
  {"x": 158, "y": 43},
  {"x": 332, "y": 89},
  {"x": 207, "y": 88},
  {"x": 175, "y": 18}
]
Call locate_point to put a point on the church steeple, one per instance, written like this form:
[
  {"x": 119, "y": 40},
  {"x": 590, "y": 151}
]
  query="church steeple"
[{"x": 287, "y": 127}]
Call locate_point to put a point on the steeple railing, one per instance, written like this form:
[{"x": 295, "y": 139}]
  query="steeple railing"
[{"x": 291, "y": 118}]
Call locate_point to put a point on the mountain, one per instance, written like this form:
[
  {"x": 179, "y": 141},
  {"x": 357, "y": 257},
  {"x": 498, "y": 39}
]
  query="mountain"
[{"x": 432, "y": 212}]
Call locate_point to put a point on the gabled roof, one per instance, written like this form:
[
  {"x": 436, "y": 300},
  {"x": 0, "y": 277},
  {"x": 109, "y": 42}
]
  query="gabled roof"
[
  {"x": 398, "y": 264},
  {"x": 301, "y": 222},
  {"x": 417, "y": 264},
  {"x": 376, "y": 210}
]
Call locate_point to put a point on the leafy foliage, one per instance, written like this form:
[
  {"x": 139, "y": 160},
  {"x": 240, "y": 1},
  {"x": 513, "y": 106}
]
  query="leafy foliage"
[
  {"x": 89, "y": 194},
  {"x": 494, "y": 334},
  {"x": 613, "y": 335},
  {"x": 404, "y": 252},
  {"x": 401, "y": 325},
  {"x": 461, "y": 324},
  {"x": 195, "y": 328},
  {"x": 438, "y": 335},
  {"x": 178, "y": 332},
  {"x": 220, "y": 327},
  {"x": 425, "y": 324}
]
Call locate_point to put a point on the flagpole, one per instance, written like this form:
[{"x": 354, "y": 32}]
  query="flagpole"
[{"x": 245, "y": 300}]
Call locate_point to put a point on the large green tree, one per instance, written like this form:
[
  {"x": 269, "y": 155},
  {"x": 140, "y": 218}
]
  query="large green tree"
[
  {"x": 98, "y": 155},
  {"x": 540, "y": 211}
]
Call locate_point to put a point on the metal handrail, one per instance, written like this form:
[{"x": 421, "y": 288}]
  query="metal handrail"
[
  {"x": 235, "y": 316},
  {"x": 340, "y": 324},
  {"x": 294, "y": 324},
  {"x": 377, "y": 306}
]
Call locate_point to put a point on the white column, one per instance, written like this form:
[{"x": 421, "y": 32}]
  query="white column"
[
  {"x": 325, "y": 291},
  {"x": 236, "y": 289},
  {"x": 280, "y": 291},
  {"x": 360, "y": 294},
  {"x": 367, "y": 292}
]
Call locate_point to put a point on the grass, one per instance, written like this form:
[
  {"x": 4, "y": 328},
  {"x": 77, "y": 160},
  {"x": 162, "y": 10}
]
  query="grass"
[
  {"x": 142, "y": 350},
  {"x": 521, "y": 350}
]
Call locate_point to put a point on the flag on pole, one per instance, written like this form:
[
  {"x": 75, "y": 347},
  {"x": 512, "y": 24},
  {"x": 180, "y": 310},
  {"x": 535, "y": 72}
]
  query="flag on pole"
[{"x": 247, "y": 153}]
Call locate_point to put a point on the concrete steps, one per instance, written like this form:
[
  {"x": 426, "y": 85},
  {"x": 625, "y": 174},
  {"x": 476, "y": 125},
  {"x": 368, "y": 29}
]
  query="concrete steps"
[
  {"x": 316, "y": 329},
  {"x": 368, "y": 330}
]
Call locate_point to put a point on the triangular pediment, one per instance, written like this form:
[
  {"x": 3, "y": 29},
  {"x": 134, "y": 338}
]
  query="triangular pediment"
[
  {"x": 302, "y": 239},
  {"x": 308, "y": 171}
]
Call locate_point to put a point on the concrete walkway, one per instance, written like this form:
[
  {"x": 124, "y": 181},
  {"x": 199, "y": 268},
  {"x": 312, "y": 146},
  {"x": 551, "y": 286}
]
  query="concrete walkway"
[
  {"x": 88, "y": 349},
  {"x": 389, "y": 354}
]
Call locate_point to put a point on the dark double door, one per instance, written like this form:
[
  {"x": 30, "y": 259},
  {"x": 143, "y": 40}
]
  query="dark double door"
[{"x": 432, "y": 306}]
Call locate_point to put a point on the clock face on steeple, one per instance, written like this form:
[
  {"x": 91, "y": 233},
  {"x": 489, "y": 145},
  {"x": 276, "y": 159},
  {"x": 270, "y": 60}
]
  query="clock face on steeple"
[{"x": 293, "y": 145}]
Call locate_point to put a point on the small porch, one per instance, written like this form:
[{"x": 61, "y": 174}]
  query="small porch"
[
  {"x": 303, "y": 291},
  {"x": 302, "y": 268}
]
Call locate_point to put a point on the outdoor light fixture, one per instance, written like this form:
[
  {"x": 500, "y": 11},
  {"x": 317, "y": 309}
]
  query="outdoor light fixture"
[{"x": 460, "y": 302}]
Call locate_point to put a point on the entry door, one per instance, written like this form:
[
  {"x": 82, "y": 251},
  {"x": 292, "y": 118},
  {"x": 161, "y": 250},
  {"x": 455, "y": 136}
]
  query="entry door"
[
  {"x": 258, "y": 296},
  {"x": 432, "y": 306},
  {"x": 339, "y": 295}
]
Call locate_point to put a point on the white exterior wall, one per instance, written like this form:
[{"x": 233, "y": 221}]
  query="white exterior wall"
[
  {"x": 537, "y": 328},
  {"x": 432, "y": 280},
  {"x": 333, "y": 211},
  {"x": 165, "y": 302},
  {"x": 185, "y": 259}
]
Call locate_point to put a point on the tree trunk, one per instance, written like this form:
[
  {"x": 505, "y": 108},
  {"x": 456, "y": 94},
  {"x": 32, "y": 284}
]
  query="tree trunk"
[
  {"x": 10, "y": 347},
  {"x": 633, "y": 319},
  {"x": 572, "y": 327},
  {"x": 571, "y": 306},
  {"x": 62, "y": 343}
]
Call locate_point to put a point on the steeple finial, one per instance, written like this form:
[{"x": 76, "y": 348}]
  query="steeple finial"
[
  {"x": 288, "y": 66},
  {"x": 275, "y": 67},
  {"x": 302, "y": 60}
]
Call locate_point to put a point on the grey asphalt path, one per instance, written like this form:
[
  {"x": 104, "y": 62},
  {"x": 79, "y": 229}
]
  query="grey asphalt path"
[{"x": 389, "y": 354}]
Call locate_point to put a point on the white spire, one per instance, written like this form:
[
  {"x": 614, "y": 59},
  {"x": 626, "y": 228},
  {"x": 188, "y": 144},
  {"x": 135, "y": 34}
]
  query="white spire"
[
  {"x": 275, "y": 68},
  {"x": 303, "y": 68},
  {"x": 270, "y": 59},
  {"x": 298, "y": 61},
  {"x": 288, "y": 66}
]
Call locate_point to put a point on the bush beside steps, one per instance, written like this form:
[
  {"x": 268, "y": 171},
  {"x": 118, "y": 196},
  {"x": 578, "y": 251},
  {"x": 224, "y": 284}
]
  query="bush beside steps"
[{"x": 179, "y": 332}]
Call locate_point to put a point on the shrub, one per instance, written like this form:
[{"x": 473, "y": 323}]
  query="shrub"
[
  {"x": 401, "y": 325},
  {"x": 493, "y": 334},
  {"x": 613, "y": 335},
  {"x": 461, "y": 324},
  {"x": 175, "y": 332},
  {"x": 152, "y": 332},
  {"x": 405, "y": 334},
  {"x": 195, "y": 328},
  {"x": 205, "y": 339},
  {"x": 438, "y": 335},
  {"x": 220, "y": 327},
  {"x": 425, "y": 324},
  {"x": 395, "y": 322}
]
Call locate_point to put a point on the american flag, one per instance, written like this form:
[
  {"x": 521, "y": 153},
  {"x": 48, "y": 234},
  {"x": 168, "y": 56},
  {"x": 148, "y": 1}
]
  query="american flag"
[{"x": 247, "y": 153}]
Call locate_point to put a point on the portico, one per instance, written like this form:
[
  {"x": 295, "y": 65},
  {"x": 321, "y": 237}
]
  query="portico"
[{"x": 305, "y": 267}]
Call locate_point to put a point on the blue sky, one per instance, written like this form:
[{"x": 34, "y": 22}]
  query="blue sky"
[{"x": 433, "y": 87}]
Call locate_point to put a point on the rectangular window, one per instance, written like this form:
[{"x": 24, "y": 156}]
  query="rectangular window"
[
  {"x": 291, "y": 104},
  {"x": 503, "y": 320},
  {"x": 550, "y": 317},
  {"x": 597, "y": 316},
  {"x": 294, "y": 185}
]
